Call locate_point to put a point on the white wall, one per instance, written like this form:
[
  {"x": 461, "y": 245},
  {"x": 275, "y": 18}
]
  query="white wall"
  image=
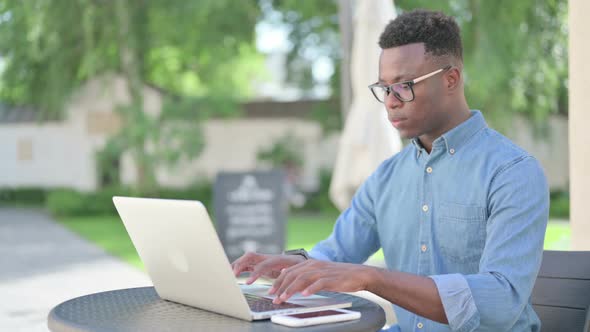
[
  {"x": 61, "y": 157},
  {"x": 551, "y": 149},
  {"x": 232, "y": 145},
  {"x": 63, "y": 153}
]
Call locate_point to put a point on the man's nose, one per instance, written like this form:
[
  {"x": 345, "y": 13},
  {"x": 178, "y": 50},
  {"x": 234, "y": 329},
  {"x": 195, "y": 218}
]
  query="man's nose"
[{"x": 391, "y": 101}]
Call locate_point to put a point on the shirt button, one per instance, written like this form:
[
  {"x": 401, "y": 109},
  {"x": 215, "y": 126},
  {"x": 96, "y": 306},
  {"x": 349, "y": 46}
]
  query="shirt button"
[
  {"x": 420, "y": 325},
  {"x": 423, "y": 248},
  {"x": 425, "y": 208},
  {"x": 452, "y": 151},
  {"x": 429, "y": 170}
]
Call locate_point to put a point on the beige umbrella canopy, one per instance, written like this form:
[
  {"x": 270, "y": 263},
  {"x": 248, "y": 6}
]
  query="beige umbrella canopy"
[{"x": 368, "y": 138}]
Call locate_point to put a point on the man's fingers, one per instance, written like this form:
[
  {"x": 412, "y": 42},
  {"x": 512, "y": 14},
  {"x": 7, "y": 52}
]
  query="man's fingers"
[
  {"x": 265, "y": 268},
  {"x": 287, "y": 277},
  {"x": 240, "y": 266},
  {"x": 246, "y": 263},
  {"x": 276, "y": 283},
  {"x": 239, "y": 269},
  {"x": 318, "y": 285},
  {"x": 279, "y": 281},
  {"x": 292, "y": 272},
  {"x": 300, "y": 283},
  {"x": 252, "y": 278}
]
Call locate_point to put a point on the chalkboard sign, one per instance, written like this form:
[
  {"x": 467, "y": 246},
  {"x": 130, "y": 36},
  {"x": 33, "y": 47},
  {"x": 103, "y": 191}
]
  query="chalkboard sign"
[{"x": 251, "y": 212}]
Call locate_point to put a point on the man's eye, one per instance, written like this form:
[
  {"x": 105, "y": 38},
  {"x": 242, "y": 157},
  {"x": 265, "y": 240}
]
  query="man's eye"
[{"x": 405, "y": 86}]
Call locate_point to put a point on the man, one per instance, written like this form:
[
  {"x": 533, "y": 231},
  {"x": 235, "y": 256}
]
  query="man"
[{"x": 460, "y": 213}]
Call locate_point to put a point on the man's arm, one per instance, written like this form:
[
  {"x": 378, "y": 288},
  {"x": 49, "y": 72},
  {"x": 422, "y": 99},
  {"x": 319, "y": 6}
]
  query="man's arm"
[
  {"x": 412, "y": 292},
  {"x": 354, "y": 237},
  {"x": 494, "y": 297}
]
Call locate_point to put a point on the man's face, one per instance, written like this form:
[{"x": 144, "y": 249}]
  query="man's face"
[{"x": 423, "y": 115}]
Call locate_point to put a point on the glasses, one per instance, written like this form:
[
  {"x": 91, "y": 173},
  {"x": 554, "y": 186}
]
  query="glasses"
[{"x": 403, "y": 91}]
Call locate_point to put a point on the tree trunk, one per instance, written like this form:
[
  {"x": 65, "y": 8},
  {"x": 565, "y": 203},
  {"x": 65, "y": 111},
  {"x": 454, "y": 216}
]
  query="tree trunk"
[{"x": 135, "y": 115}]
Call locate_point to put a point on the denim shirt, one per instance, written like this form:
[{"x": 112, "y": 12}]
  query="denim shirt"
[{"x": 471, "y": 215}]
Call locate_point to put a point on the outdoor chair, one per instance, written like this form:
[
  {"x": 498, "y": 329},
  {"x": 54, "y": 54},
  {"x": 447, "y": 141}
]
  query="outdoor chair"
[{"x": 561, "y": 295}]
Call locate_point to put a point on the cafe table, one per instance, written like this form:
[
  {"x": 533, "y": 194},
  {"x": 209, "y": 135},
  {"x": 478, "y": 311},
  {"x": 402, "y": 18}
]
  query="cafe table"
[{"x": 141, "y": 309}]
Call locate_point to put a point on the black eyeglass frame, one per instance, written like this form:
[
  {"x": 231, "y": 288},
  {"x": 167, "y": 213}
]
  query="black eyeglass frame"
[{"x": 389, "y": 88}]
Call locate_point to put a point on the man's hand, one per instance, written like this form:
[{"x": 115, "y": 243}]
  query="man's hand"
[
  {"x": 261, "y": 265},
  {"x": 313, "y": 276}
]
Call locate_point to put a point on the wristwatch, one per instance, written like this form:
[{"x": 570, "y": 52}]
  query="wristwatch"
[{"x": 300, "y": 251}]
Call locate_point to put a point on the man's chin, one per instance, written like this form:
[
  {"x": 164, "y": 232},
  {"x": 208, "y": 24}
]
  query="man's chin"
[{"x": 406, "y": 134}]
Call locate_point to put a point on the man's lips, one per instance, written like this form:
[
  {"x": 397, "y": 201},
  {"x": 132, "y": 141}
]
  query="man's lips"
[{"x": 396, "y": 121}]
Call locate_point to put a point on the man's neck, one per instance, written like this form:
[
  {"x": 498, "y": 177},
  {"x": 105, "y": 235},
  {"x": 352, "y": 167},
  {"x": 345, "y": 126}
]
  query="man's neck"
[{"x": 456, "y": 118}]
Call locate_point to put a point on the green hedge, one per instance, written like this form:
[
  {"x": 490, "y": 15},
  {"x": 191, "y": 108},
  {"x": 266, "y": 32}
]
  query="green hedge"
[
  {"x": 202, "y": 192},
  {"x": 319, "y": 201},
  {"x": 560, "y": 205},
  {"x": 68, "y": 202},
  {"x": 23, "y": 196}
]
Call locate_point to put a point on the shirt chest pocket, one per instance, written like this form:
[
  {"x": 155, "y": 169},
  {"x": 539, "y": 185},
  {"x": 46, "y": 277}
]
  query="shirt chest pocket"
[{"x": 460, "y": 232}]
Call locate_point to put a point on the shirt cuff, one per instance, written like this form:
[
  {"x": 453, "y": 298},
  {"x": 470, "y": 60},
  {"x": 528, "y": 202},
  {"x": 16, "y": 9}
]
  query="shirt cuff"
[
  {"x": 316, "y": 254},
  {"x": 457, "y": 301}
]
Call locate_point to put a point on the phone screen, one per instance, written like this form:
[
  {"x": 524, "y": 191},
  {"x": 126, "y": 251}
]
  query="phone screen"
[{"x": 317, "y": 314}]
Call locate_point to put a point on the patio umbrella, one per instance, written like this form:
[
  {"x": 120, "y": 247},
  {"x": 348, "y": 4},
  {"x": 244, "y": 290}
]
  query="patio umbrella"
[{"x": 368, "y": 137}]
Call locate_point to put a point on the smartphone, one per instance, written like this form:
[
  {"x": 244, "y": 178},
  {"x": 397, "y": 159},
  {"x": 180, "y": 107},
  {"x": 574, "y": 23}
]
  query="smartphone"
[{"x": 316, "y": 317}]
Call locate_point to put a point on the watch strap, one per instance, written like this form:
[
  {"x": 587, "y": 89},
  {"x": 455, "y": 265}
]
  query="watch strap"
[{"x": 301, "y": 252}]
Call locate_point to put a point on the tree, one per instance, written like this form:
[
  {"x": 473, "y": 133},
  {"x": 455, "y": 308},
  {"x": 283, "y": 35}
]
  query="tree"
[
  {"x": 313, "y": 32},
  {"x": 515, "y": 52},
  {"x": 201, "y": 53}
]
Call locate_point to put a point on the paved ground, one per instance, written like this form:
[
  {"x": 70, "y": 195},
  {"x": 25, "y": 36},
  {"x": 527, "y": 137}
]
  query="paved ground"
[{"x": 42, "y": 264}]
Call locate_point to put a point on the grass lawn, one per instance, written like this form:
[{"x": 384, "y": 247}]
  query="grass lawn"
[{"x": 302, "y": 232}]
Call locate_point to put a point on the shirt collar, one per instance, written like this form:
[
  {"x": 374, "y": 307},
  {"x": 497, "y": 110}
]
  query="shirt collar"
[
  {"x": 418, "y": 146},
  {"x": 455, "y": 138}
]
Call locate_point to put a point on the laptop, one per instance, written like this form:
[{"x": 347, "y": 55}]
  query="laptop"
[{"x": 183, "y": 256}]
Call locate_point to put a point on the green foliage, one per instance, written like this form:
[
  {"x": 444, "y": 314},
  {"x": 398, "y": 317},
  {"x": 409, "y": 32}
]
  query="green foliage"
[
  {"x": 42, "y": 52},
  {"x": 515, "y": 52},
  {"x": 515, "y": 55},
  {"x": 23, "y": 196},
  {"x": 190, "y": 49},
  {"x": 203, "y": 48},
  {"x": 72, "y": 203},
  {"x": 313, "y": 33},
  {"x": 327, "y": 114},
  {"x": 285, "y": 152},
  {"x": 199, "y": 109},
  {"x": 69, "y": 202},
  {"x": 201, "y": 191},
  {"x": 560, "y": 205},
  {"x": 319, "y": 202}
]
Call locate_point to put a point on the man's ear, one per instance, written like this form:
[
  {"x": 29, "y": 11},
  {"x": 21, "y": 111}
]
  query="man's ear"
[{"x": 453, "y": 79}]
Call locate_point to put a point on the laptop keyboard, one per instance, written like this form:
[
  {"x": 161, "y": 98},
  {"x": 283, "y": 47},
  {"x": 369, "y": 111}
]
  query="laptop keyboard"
[{"x": 261, "y": 304}]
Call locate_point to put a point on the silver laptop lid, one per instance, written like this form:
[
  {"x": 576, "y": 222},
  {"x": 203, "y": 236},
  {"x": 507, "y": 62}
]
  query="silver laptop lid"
[{"x": 182, "y": 254}]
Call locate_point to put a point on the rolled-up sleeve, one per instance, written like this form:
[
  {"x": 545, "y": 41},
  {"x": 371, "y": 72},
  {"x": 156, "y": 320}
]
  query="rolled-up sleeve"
[
  {"x": 495, "y": 297},
  {"x": 457, "y": 301}
]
